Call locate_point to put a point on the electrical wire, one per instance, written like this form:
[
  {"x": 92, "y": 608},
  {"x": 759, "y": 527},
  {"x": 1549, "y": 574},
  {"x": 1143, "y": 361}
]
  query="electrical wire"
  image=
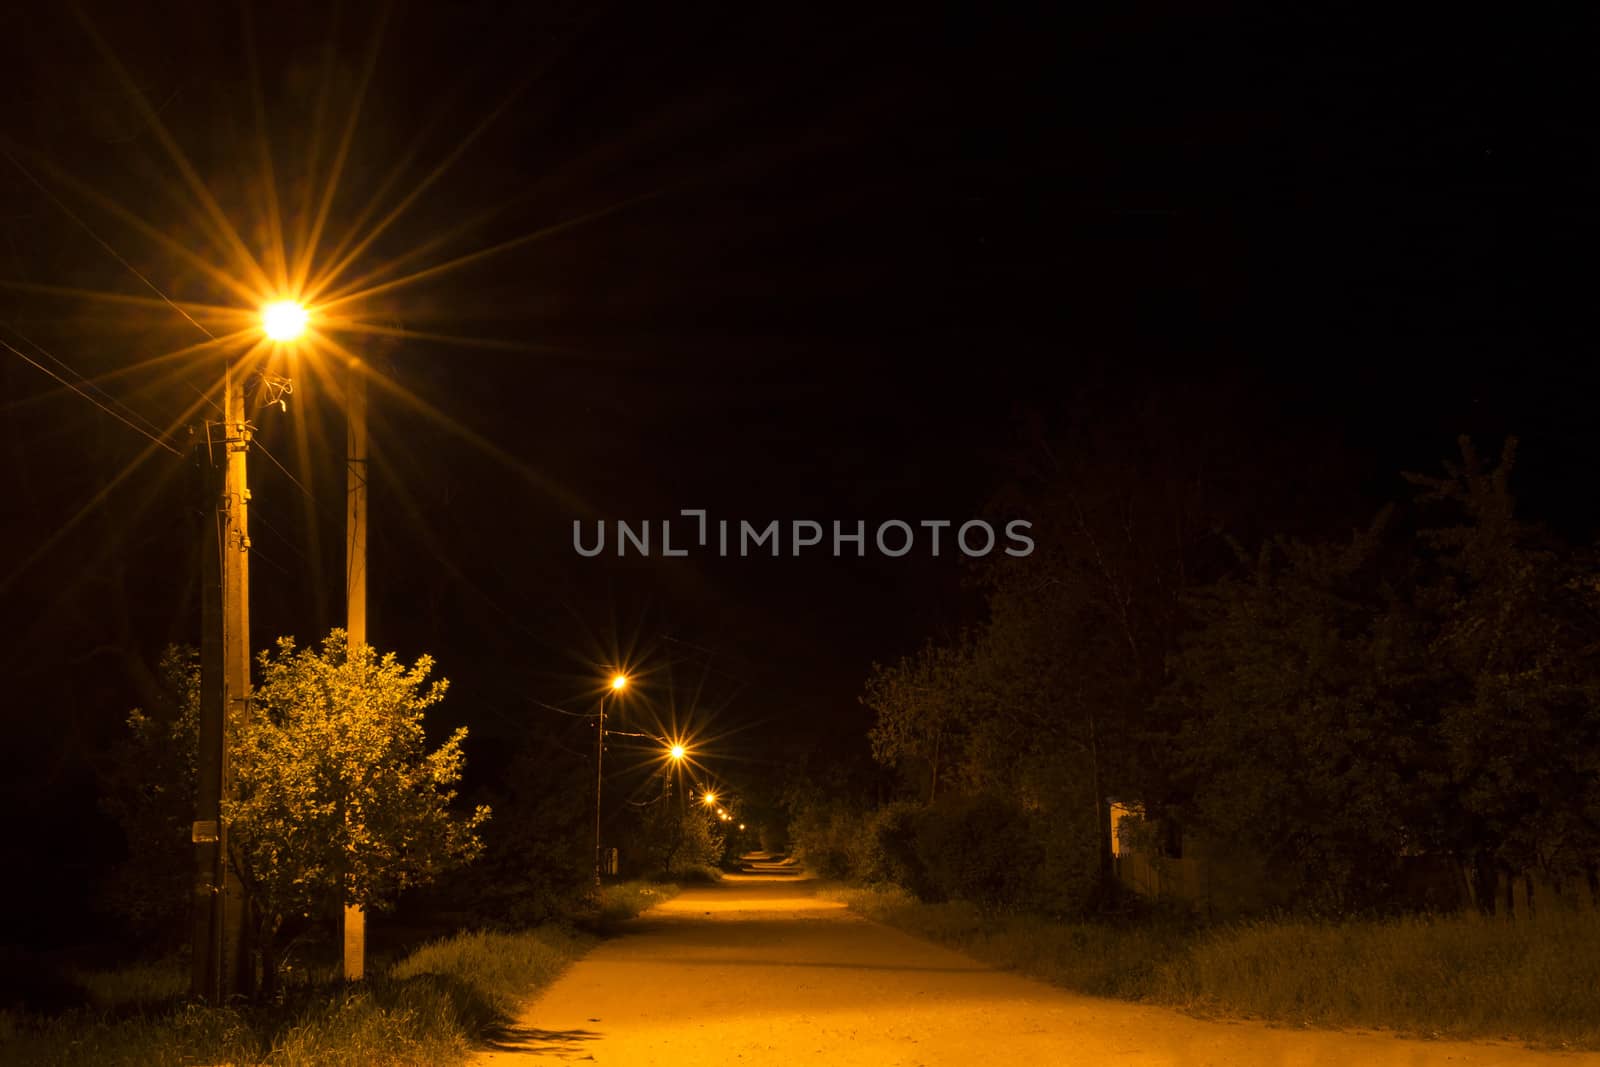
[
  {"x": 257, "y": 517},
  {"x": 82, "y": 379},
  {"x": 116, "y": 256},
  {"x": 285, "y": 470},
  {"x": 109, "y": 411},
  {"x": 256, "y": 553},
  {"x": 564, "y": 711}
]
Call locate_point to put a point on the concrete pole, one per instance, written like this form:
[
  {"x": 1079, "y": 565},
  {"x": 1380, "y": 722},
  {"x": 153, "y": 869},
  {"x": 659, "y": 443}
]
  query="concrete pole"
[
  {"x": 221, "y": 934},
  {"x": 355, "y": 573}
]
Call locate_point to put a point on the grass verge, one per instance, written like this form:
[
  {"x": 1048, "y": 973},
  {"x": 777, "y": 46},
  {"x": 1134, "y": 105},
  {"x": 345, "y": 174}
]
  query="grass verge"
[
  {"x": 435, "y": 1006},
  {"x": 624, "y": 900},
  {"x": 1460, "y": 976}
]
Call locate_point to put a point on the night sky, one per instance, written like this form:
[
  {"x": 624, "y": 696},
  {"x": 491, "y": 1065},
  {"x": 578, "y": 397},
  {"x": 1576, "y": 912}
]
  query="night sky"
[{"x": 791, "y": 265}]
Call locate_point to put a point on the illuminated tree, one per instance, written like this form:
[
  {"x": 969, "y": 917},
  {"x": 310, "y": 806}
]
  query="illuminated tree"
[{"x": 339, "y": 798}]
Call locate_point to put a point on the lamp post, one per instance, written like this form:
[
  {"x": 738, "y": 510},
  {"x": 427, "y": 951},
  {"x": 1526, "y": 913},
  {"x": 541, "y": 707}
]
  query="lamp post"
[
  {"x": 675, "y": 753},
  {"x": 354, "y": 925},
  {"x": 220, "y": 934},
  {"x": 619, "y": 682}
]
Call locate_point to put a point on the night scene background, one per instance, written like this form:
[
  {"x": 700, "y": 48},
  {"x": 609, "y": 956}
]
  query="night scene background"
[{"x": 1174, "y": 285}]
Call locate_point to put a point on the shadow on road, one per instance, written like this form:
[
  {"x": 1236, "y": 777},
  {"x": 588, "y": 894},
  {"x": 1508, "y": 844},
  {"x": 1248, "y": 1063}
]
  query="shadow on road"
[{"x": 531, "y": 1039}]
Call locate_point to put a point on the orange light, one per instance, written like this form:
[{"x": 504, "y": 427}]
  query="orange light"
[
  {"x": 711, "y": 798},
  {"x": 619, "y": 681},
  {"x": 677, "y": 752},
  {"x": 284, "y": 320}
]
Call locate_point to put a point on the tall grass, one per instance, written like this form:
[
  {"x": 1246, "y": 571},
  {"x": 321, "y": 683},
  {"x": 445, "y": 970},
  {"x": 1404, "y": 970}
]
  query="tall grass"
[
  {"x": 624, "y": 900},
  {"x": 433, "y": 1007},
  {"x": 1450, "y": 976},
  {"x": 1463, "y": 976},
  {"x": 1095, "y": 958}
]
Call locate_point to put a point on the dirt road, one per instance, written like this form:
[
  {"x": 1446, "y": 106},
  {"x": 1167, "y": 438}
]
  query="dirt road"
[{"x": 758, "y": 970}]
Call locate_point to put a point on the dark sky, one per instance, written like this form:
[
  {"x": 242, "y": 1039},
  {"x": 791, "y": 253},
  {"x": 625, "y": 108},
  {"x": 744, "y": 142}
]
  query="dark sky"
[{"x": 809, "y": 266}]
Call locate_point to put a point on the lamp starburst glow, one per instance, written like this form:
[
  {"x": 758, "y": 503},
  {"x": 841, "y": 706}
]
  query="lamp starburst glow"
[
  {"x": 284, "y": 320},
  {"x": 619, "y": 681},
  {"x": 677, "y": 752}
]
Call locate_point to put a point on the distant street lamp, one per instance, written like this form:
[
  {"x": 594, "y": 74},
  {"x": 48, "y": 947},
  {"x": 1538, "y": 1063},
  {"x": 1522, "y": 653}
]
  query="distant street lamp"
[
  {"x": 676, "y": 752},
  {"x": 711, "y": 799},
  {"x": 619, "y": 682}
]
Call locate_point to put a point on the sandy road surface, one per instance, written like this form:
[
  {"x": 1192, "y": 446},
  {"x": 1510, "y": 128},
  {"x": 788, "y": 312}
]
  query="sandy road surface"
[{"x": 757, "y": 970}]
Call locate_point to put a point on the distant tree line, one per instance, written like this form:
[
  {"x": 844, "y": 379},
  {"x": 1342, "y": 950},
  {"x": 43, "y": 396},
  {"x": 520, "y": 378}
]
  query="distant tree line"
[{"x": 1427, "y": 684}]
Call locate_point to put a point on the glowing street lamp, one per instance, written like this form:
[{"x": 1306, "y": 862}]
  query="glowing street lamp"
[
  {"x": 284, "y": 320},
  {"x": 677, "y": 752},
  {"x": 711, "y": 798},
  {"x": 619, "y": 682}
]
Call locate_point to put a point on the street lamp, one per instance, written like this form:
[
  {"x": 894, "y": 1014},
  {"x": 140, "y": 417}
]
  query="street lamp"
[
  {"x": 219, "y": 956},
  {"x": 676, "y": 752},
  {"x": 619, "y": 682},
  {"x": 711, "y": 798},
  {"x": 284, "y": 320}
]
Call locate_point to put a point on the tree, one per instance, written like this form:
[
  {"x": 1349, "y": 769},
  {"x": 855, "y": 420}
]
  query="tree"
[
  {"x": 1294, "y": 745},
  {"x": 1515, "y": 623},
  {"x": 338, "y": 796},
  {"x": 538, "y": 858},
  {"x": 921, "y": 708},
  {"x": 148, "y": 787},
  {"x": 680, "y": 839}
]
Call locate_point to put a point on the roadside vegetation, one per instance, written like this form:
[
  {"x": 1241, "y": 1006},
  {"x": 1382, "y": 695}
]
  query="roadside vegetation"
[
  {"x": 1364, "y": 749},
  {"x": 435, "y": 1006},
  {"x": 1458, "y": 976},
  {"x": 472, "y": 914}
]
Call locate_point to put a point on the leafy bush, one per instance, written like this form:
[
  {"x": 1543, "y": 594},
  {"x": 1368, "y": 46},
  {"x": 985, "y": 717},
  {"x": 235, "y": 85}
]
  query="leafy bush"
[
  {"x": 832, "y": 840},
  {"x": 978, "y": 849},
  {"x": 894, "y": 858},
  {"x": 675, "y": 843}
]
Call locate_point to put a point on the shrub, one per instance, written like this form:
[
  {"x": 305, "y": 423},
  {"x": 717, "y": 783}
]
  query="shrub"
[
  {"x": 894, "y": 857},
  {"x": 978, "y": 849},
  {"x": 832, "y": 841}
]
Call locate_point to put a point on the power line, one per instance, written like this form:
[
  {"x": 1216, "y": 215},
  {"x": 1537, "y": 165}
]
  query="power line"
[
  {"x": 114, "y": 414},
  {"x": 68, "y": 212},
  {"x": 564, "y": 711},
  {"x": 59, "y": 362},
  {"x": 256, "y": 553},
  {"x": 284, "y": 469},
  {"x": 257, "y": 517}
]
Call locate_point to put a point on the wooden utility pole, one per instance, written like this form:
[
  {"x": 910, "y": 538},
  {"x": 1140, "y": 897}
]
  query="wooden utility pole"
[
  {"x": 220, "y": 934},
  {"x": 355, "y": 584},
  {"x": 599, "y": 759}
]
